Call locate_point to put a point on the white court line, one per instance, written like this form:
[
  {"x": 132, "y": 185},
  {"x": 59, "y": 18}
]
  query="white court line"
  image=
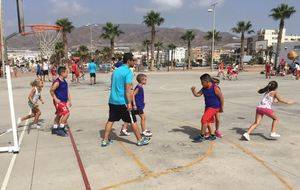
[{"x": 12, "y": 161}]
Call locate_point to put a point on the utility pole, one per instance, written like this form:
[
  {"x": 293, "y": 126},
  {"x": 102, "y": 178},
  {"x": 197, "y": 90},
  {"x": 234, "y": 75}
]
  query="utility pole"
[{"x": 2, "y": 39}]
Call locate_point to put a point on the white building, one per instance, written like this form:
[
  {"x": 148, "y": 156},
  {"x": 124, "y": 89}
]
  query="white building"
[
  {"x": 22, "y": 55},
  {"x": 179, "y": 54},
  {"x": 271, "y": 36}
]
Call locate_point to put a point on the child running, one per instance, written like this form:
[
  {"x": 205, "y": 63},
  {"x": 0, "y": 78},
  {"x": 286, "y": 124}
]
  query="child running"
[
  {"x": 33, "y": 98},
  {"x": 265, "y": 108},
  {"x": 214, "y": 103},
  {"x": 139, "y": 105},
  {"x": 62, "y": 102},
  {"x": 217, "y": 118},
  {"x": 268, "y": 70}
]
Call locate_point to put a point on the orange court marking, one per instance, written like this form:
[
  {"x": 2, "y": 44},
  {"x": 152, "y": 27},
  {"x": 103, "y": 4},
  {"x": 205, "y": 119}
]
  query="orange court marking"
[
  {"x": 165, "y": 172},
  {"x": 263, "y": 163}
]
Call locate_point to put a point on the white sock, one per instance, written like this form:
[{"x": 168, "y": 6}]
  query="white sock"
[
  {"x": 61, "y": 125},
  {"x": 55, "y": 126}
]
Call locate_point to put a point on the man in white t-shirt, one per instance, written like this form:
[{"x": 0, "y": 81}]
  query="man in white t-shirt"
[
  {"x": 45, "y": 68},
  {"x": 297, "y": 67}
]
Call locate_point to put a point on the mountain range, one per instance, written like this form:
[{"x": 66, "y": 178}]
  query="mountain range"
[{"x": 133, "y": 36}]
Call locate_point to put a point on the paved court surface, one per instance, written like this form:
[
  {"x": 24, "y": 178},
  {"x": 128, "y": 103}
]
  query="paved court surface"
[{"x": 172, "y": 160}]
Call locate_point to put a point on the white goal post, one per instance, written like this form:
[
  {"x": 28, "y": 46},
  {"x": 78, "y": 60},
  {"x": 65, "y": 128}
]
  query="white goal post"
[{"x": 15, "y": 147}]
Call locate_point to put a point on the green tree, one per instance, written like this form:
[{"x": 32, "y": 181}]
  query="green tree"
[
  {"x": 110, "y": 32},
  {"x": 281, "y": 13},
  {"x": 188, "y": 37},
  {"x": 158, "y": 46},
  {"x": 146, "y": 44},
  {"x": 67, "y": 27},
  {"x": 172, "y": 48},
  {"x": 243, "y": 27},
  {"x": 152, "y": 20},
  {"x": 59, "y": 52},
  {"x": 83, "y": 52},
  {"x": 208, "y": 36}
]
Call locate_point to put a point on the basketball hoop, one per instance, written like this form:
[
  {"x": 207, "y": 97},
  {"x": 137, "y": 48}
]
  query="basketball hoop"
[{"x": 47, "y": 36}]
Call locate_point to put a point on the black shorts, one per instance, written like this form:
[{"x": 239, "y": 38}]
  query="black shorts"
[
  {"x": 93, "y": 75},
  {"x": 45, "y": 72},
  {"x": 138, "y": 112},
  {"x": 118, "y": 112}
]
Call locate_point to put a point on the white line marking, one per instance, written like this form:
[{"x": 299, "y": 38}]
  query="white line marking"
[{"x": 12, "y": 161}]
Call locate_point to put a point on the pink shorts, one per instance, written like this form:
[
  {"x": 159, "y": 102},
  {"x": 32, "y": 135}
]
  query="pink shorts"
[
  {"x": 265, "y": 111},
  {"x": 209, "y": 115}
]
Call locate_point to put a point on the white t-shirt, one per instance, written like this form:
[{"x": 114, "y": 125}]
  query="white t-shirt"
[
  {"x": 266, "y": 101},
  {"x": 297, "y": 67},
  {"x": 45, "y": 67}
]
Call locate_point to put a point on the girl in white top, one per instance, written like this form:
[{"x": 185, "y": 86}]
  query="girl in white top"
[
  {"x": 265, "y": 108},
  {"x": 33, "y": 98}
]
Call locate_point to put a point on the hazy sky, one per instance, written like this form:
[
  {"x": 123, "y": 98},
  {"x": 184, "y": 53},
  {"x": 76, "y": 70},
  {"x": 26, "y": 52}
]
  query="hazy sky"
[{"x": 177, "y": 13}]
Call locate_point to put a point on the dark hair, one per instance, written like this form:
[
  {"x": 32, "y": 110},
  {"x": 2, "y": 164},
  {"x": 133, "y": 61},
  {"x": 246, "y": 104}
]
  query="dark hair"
[
  {"x": 127, "y": 57},
  {"x": 140, "y": 77},
  {"x": 206, "y": 78},
  {"x": 215, "y": 80},
  {"x": 273, "y": 85},
  {"x": 113, "y": 58},
  {"x": 92, "y": 60},
  {"x": 35, "y": 83},
  {"x": 61, "y": 70}
]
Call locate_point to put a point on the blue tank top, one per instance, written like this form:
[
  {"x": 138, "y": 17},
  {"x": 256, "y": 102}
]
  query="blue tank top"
[
  {"x": 139, "y": 98},
  {"x": 210, "y": 97},
  {"x": 62, "y": 91}
]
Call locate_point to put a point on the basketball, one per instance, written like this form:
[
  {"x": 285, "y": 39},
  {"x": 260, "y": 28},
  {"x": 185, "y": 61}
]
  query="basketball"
[{"x": 292, "y": 55}]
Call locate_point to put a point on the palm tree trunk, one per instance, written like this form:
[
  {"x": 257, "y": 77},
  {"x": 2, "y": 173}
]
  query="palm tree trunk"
[
  {"x": 189, "y": 55},
  {"x": 157, "y": 57},
  {"x": 65, "y": 41},
  {"x": 112, "y": 48},
  {"x": 281, "y": 26},
  {"x": 147, "y": 47},
  {"x": 242, "y": 51},
  {"x": 152, "y": 47}
]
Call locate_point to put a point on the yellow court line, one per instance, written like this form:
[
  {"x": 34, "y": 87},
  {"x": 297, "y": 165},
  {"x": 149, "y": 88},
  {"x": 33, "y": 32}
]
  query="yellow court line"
[
  {"x": 143, "y": 167},
  {"x": 165, "y": 172},
  {"x": 262, "y": 162}
]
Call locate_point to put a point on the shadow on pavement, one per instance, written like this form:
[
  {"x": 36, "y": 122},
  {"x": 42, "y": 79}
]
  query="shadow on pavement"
[
  {"x": 114, "y": 136},
  {"x": 191, "y": 131},
  {"x": 241, "y": 131}
]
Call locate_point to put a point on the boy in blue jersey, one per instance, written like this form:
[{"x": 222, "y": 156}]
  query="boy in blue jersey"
[{"x": 92, "y": 70}]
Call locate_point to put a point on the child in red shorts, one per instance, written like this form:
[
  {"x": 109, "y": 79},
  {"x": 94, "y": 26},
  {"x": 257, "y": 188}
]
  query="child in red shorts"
[
  {"x": 214, "y": 103},
  {"x": 62, "y": 101},
  {"x": 268, "y": 70}
]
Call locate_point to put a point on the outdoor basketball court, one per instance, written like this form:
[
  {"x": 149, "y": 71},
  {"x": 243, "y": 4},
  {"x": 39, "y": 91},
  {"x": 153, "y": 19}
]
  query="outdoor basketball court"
[{"x": 172, "y": 160}]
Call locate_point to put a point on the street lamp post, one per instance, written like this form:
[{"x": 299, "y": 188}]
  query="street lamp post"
[
  {"x": 213, "y": 10},
  {"x": 2, "y": 40},
  {"x": 91, "y": 35}
]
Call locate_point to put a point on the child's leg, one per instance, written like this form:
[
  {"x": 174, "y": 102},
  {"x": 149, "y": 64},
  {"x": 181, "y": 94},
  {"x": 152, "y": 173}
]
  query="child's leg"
[
  {"x": 209, "y": 127},
  {"x": 217, "y": 120},
  {"x": 258, "y": 119},
  {"x": 274, "y": 123},
  {"x": 143, "y": 121},
  {"x": 28, "y": 117},
  {"x": 37, "y": 115},
  {"x": 136, "y": 131},
  {"x": 125, "y": 126},
  {"x": 64, "y": 119}
]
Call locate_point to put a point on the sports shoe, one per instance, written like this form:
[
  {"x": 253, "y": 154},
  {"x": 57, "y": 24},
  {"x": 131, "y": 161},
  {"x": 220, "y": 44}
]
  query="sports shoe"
[
  {"x": 60, "y": 132},
  {"x": 36, "y": 126},
  {"x": 212, "y": 137},
  {"x": 19, "y": 121},
  {"x": 53, "y": 130},
  {"x": 106, "y": 143},
  {"x": 246, "y": 136},
  {"x": 199, "y": 138},
  {"x": 274, "y": 135},
  {"x": 124, "y": 132},
  {"x": 219, "y": 134},
  {"x": 144, "y": 141},
  {"x": 147, "y": 133}
]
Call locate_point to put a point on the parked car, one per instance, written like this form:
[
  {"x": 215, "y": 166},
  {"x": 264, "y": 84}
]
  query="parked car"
[{"x": 180, "y": 64}]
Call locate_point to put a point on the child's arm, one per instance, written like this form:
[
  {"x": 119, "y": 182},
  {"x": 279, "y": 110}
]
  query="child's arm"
[
  {"x": 52, "y": 90},
  {"x": 42, "y": 100},
  {"x": 195, "y": 93},
  {"x": 129, "y": 95},
  {"x": 133, "y": 100},
  {"x": 280, "y": 99},
  {"x": 31, "y": 94},
  {"x": 220, "y": 96},
  {"x": 69, "y": 99}
]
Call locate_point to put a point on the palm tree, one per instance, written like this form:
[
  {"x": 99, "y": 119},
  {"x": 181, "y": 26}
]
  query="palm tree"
[
  {"x": 281, "y": 13},
  {"x": 146, "y": 44},
  {"x": 171, "y": 48},
  {"x": 67, "y": 27},
  {"x": 209, "y": 35},
  {"x": 243, "y": 27},
  {"x": 83, "y": 52},
  {"x": 269, "y": 52},
  {"x": 158, "y": 46},
  {"x": 188, "y": 37},
  {"x": 153, "y": 19},
  {"x": 59, "y": 51},
  {"x": 110, "y": 32}
]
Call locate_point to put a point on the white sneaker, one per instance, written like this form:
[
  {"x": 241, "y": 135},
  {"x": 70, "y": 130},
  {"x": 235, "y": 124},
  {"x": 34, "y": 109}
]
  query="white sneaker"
[
  {"x": 19, "y": 121},
  {"x": 246, "y": 136},
  {"x": 36, "y": 126},
  {"x": 274, "y": 135},
  {"x": 124, "y": 132},
  {"x": 147, "y": 133}
]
